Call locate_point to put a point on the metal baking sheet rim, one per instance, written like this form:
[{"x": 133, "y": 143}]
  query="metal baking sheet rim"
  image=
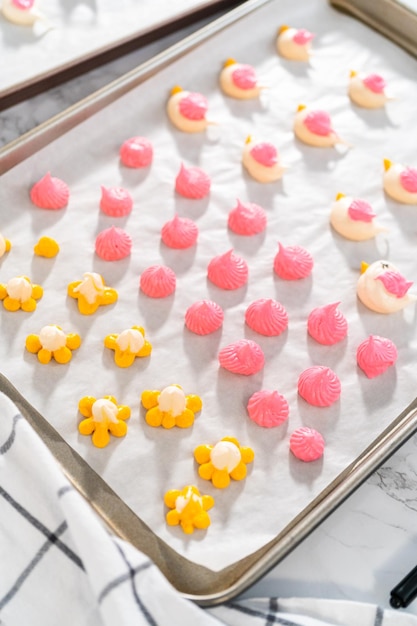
[{"x": 195, "y": 582}]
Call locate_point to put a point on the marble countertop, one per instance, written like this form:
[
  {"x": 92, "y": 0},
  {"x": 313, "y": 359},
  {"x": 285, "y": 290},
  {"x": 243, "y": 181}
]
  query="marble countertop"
[{"x": 362, "y": 550}]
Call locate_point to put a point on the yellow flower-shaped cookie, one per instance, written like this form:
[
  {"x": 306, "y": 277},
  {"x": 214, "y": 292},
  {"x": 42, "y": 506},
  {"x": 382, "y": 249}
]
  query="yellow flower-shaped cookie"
[
  {"x": 52, "y": 342},
  {"x": 91, "y": 292},
  {"x": 103, "y": 416},
  {"x": 223, "y": 461},
  {"x": 170, "y": 407},
  {"x": 20, "y": 293},
  {"x": 131, "y": 343},
  {"x": 188, "y": 508}
]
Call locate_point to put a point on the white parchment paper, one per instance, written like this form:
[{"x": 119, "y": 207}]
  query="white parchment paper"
[
  {"x": 147, "y": 462},
  {"x": 76, "y": 29}
]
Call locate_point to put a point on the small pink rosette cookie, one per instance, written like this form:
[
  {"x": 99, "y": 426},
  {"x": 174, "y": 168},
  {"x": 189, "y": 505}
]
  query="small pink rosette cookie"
[
  {"x": 204, "y": 317},
  {"x": 136, "y": 152},
  {"x": 375, "y": 355},
  {"x": 179, "y": 233},
  {"x": 116, "y": 201},
  {"x": 307, "y": 444},
  {"x": 50, "y": 193},
  {"x": 113, "y": 244},
  {"x": 192, "y": 182},
  {"x": 247, "y": 219},
  {"x": 319, "y": 386},
  {"x": 267, "y": 317},
  {"x": 158, "y": 281},
  {"x": 293, "y": 262},
  {"x": 242, "y": 357},
  {"x": 268, "y": 408},
  {"x": 228, "y": 271},
  {"x": 327, "y": 324}
]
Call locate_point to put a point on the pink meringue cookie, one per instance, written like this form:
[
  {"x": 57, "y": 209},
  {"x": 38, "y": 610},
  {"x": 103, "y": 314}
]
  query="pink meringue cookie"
[
  {"x": 179, "y": 233},
  {"x": 228, "y": 271},
  {"x": 193, "y": 106},
  {"x": 115, "y": 201},
  {"x": 247, "y": 219},
  {"x": 204, "y": 317},
  {"x": 136, "y": 152},
  {"x": 242, "y": 357},
  {"x": 267, "y": 317},
  {"x": 307, "y": 444},
  {"x": 293, "y": 262},
  {"x": 375, "y": 355},
  {"x": 319, "y": 386},
  {"x": 158, "y": 281},
  {"x": 50, "y": 193},
  {"x": 192, "y": 182},
  {"x": 408, "y": 178},
  {"x": 113, "y": 244},
  {"x": 268, "y": 408},
  {"x": 327, "y": 325},
  {"x": 375, "y": 83}
]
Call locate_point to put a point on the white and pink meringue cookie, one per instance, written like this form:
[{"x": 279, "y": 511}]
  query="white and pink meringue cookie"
[
  {"x": 383, "y": 289},
  {"x": 314, "y": 127},
  {"x": 239, "y": 80},
  {"x": 294, "y": 44},
  {"x": 187, "y": 110},
  {"x": 353, "y": 218},
  {"x": 367, "y": 90},
  {"x": 21, "y": 12},
  {"x": 262, "y": 161},
  {"x": 400, "y": 182}
]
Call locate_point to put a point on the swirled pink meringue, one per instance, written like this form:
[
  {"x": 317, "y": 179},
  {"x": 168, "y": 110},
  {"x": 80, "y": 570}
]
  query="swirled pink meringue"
[
  {"x": 318, "y": 123},
  {"x": 228, "y": 271},
  {"x": 24, "y": 5},
  {"x": 247, "y": 219},
  {"x": 361, "y": 211},
  {"x": 375, "y": 355},
  {"x": 267, "y": 317},
  {"x": 113, "y": 244},
  {"x": 319, "y": 386},
  {"x": 242, "y": 357},
  {"x": 244, "y": 77},
  {"x": 394, "y": 283},
  {"x": 192, "y": 182},
  {"x": 193, "y": 106},
  {"x": 302, "y": 36},
  {"x": 375, "y": 83},
  {"x": 115, "y": 201},
  {"x": 327, "y": 324},
  {"x": 179, "y": 233},
  {"x": 50, "y": 193},
  {"x": 136, "y": 152},
  {"x": 293, "y": 262},
  {"x": 265, "y": 153},
  {"x": 268, "y": 408},
  {"x": 408, "y": 178},
  {"x": 204, "y": 317},
  {"x": 158, "y": 281},
  {"x": 307, "y": 444}
]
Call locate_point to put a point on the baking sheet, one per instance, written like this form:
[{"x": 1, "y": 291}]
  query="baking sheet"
[
  {"x": 278, "y": 488},
  {"x": 77, "y": 32}
]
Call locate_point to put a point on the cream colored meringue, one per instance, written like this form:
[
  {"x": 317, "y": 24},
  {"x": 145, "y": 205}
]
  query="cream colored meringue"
[
  {"x": 239, "y": 81},
  {"x": 187, "y": 110},
  {"x": 367, "y": 90},
  {"x": 353, "y": 218},
  {"x": 294, "y": 44},
  {"x": 383, "y": 289},
  {"x": 400, "y": 182},
  {"x": 314, "y": 127},
  {"x": 22, "y": 13},
  {"x": 261, "y": 160}
]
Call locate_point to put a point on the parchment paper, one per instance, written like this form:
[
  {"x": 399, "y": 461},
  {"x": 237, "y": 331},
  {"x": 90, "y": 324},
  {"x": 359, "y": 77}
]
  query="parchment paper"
[
  {"x": 147, "y": 462},
  {"x": 74, "y": 29}
]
